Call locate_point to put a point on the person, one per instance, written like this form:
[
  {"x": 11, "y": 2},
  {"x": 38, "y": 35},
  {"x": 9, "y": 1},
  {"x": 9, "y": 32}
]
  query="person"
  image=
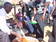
[
  {"x": 4, "y": 29},
  {"x": 53, "y": 13},
  {"x": 19, "y": 14},
  {"x": 47, "y": 10},
  {"x": 47, "y": 18},
  {"x": 35, "y": 16},
  {"x": 24, "y": 6},
  {"x": 25, "y": 13}
]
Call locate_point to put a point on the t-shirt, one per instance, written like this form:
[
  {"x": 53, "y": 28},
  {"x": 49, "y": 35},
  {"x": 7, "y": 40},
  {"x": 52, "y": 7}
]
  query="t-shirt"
[
  {"x": 33, "y": 4},
  {"x": 3, "y": 24},
  {"x": 50, "y": 6},
  {"x": 49, "y": 1},
  {"x": 37, "y": 5}
]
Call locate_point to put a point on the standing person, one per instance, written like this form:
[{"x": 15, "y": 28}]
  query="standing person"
[
  {"x": 46, "y": 17},
  {"x": 26, "y": 16},
  {"x": 4, "y": 29},
  {"x": 53, "y": 13},
  {"x": 47, "y": 9},
  {"x": 34, "y": 12},
  {"x": 24, "y": 7}
]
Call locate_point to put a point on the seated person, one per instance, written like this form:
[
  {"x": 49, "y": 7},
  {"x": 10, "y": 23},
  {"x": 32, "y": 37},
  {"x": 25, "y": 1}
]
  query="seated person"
[{"x": 4, "y": 29}]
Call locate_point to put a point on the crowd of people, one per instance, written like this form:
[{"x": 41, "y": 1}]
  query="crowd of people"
[{"x": 33, "y": 16}]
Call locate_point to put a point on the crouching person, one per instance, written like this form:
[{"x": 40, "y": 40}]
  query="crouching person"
[{"x": 4, "y": 29}]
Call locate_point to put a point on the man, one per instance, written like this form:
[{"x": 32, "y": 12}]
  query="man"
[
  {"x": 34, "y": 13},
  {"x": 46, "y": 17},
  {"x": 53, "y": 13},
  {"x": 47, "y": 9},
  {"x": 4, "y": 29}
]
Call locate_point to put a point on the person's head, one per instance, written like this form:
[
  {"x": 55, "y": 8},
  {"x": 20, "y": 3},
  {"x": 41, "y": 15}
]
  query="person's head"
[
  {"x": 7, "y": 7},
  {"x": 20, "y": 10},
  {"x": 21, "y": 3}
]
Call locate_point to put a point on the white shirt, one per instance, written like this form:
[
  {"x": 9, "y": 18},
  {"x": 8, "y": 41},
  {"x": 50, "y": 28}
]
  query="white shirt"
[
  {"x": 49, "y": 1},
  {"x": 3, "y": 24}
]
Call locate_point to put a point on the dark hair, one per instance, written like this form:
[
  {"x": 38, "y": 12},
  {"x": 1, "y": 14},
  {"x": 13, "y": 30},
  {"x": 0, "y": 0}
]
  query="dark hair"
[{"x": 7, "y": 4}]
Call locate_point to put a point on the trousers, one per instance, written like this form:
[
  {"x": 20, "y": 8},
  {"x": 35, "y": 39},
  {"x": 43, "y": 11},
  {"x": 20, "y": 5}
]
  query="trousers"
[{"x": 4, "y": 37}]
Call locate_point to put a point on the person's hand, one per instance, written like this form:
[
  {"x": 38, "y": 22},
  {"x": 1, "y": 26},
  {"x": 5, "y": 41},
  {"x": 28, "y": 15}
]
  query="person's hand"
[
  {"x": 50, "y": 17},
  {"x": 18, "y": 23},
  {"x": 18, "y": 37},
  {"x": 43, "y": 18}
]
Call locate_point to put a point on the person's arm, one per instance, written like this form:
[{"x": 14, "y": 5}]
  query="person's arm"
[
  {"x": 34, "y": 14},
  {"x": 16, "y": 34},
  {"x": 13, "y": 23},
  {"x": 53, "y": 9},
  {"x": 45, "y": 9},
  {"x": 50, "y": 16},
  {"x": 34, "y": 11},
  {"x": 5, "y": 28}
]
